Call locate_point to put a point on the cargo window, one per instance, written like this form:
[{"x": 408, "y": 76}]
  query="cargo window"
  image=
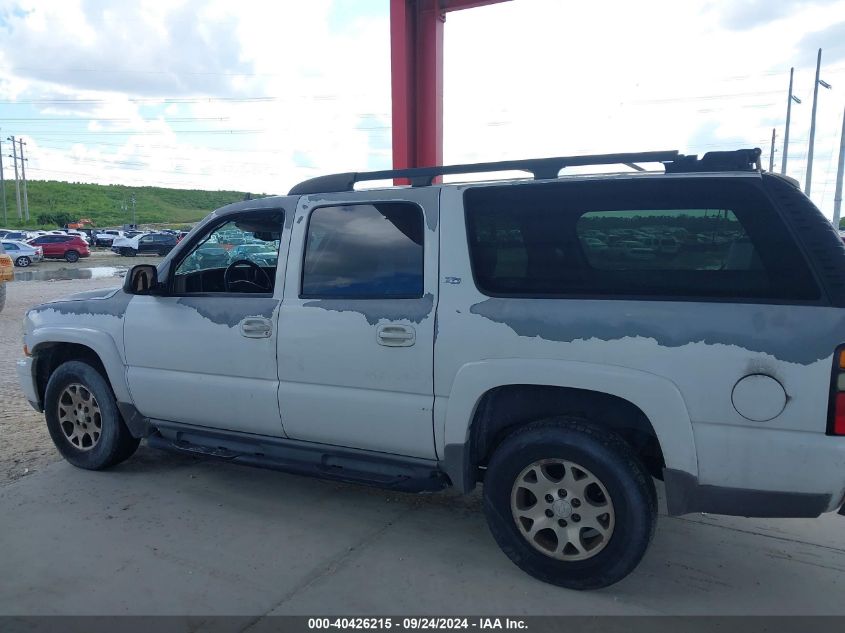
[
  {"x": 675, "y": 238},
  {"x": 364, "y": 251}
]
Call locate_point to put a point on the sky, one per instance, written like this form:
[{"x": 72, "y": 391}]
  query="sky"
[{"x": 258, "y": 95}]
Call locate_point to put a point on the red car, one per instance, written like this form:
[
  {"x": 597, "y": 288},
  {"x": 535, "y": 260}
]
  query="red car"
[{"x": 68, "y": 247}]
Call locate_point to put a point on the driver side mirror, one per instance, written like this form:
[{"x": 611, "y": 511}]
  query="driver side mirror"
[{"x": 142, "y": 280}]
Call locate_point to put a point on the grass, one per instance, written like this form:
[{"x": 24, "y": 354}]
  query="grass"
[{"x": 102, "y": 203}]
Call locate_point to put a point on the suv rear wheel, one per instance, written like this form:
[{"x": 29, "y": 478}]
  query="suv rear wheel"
[
  {"x": 72, "y": 256},
  {"x": 570, "y": 503},
  {"x": 83, "y": 419}
]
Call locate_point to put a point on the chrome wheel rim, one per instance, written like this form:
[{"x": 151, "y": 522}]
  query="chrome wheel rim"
[
  {"x": 79, "y": 417},
  {"x": 562, "y": 509}
]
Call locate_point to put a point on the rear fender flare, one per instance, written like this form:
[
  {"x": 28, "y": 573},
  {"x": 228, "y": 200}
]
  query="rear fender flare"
[{"x": 657, "y": 397}]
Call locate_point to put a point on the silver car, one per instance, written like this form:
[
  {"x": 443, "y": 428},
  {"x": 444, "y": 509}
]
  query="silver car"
[{"x": 22, "y": 253}]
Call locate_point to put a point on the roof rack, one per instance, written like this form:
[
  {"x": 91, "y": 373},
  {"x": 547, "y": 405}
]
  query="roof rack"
[{"x": 540, "y": 168}]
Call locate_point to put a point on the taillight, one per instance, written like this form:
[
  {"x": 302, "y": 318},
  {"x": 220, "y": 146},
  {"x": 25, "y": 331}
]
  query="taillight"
[{"x": 836, "y": 416}]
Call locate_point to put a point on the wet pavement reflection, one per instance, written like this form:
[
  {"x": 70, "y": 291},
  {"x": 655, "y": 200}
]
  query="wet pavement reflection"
[{"x": 55, "y": 274}]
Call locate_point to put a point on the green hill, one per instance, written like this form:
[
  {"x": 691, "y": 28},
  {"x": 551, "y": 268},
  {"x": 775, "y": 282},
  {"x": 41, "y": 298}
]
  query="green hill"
[{"x": 69, "y": 201}]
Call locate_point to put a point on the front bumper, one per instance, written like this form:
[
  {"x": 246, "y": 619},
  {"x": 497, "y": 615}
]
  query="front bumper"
[{"x": 26, "y": 378}]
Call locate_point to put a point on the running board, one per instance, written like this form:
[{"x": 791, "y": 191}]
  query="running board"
[{"x": 407, "y": 474}]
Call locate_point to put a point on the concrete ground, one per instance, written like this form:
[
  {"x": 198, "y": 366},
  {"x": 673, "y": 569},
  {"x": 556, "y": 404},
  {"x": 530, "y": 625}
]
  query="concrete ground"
[{"x": 165, "y": 534}]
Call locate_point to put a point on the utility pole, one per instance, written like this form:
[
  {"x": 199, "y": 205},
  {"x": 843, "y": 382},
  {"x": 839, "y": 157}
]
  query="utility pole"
[
  {"x": 3, "y": 186},
  {"x": 837, "y": 197},
  {"x": 772, "y": 153},
  {"x": 134, "y": 222},
  {"x": 23, "y": 177},
  {"x": 789, "y": 99},
  {"x": 809, "y": 181},
  {"x": 17, "y": 182}
]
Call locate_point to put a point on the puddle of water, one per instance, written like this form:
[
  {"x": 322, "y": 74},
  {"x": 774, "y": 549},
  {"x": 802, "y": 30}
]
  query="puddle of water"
[{"x": 56, "y": 274}]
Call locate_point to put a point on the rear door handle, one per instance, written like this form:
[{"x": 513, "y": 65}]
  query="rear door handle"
[
  {"x": 256, "y": 327},
  {"x": 396, "y": 335}
]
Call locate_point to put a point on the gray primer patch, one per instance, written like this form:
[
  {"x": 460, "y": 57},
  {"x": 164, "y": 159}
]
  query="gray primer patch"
[
  {"x": 375, "y": 310},
  {"x": 108, "y": 302},
  {"x": 797, "y": 334},
  {"x": 230, "y": 311},
  {"x": 432, "y": 214}
]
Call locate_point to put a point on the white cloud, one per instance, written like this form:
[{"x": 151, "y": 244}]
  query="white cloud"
[{"x": 283, "y": 94}]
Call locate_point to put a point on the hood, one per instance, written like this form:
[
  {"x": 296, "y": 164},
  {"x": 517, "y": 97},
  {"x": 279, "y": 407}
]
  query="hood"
[
  {"x": 107, "y": 302},
  {"x": 101, "y": 293}
]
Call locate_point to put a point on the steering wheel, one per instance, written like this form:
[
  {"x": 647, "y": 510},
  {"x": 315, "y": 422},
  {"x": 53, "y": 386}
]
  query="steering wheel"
[{"x": 260, "y": 281}]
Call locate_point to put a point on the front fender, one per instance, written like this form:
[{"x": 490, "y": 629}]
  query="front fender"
[
  {"x": 100, "y": 342},
  {"x": 657, "y": 397}
]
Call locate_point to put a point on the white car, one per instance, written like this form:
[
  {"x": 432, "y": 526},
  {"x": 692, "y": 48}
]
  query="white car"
[
  {"x": 107, "y": 237},
  {"x": 458, "y": 335},
  {"x": 22, "y": 253}
]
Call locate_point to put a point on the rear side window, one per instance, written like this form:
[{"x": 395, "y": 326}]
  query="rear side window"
[
  {"x": 365, "y": 251},
  {"x": 695, "y": 238}
]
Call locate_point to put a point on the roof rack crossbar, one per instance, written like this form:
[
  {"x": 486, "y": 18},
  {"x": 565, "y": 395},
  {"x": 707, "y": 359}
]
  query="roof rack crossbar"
[{"x": 539, "y": 168}]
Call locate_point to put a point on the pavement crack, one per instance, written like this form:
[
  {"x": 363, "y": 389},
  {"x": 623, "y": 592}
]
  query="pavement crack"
[{"x": 758, "y": 533}]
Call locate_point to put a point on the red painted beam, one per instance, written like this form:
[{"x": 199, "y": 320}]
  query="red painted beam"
[
  {"x": 403, "y": 80},
  {"x": 416, "y": 60}
]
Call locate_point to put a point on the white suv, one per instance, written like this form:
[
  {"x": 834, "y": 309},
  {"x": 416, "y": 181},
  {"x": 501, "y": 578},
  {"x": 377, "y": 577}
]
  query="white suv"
[{"x": 562, "y": 340}]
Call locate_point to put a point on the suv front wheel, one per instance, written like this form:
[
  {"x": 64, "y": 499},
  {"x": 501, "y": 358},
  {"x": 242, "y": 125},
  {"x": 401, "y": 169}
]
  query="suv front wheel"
[
  {"x": 570, "y": 503},
  {"x": 83, "y": 419}
]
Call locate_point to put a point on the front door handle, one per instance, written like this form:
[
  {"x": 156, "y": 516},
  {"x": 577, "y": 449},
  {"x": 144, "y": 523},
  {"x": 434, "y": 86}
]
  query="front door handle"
[
  {"x": 396, "y": 335},
  {"x": 256, "y": 327}
]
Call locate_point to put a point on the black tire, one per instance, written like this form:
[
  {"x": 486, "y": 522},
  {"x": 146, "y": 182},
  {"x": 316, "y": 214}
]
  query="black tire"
[
  {"x": 612, "y": 461},
  {"x": 23, "y": 261},
  {"x": 128, "y": 252},
  {"x": 114, "y": 444},
  {"x": 71, "y": 256}
]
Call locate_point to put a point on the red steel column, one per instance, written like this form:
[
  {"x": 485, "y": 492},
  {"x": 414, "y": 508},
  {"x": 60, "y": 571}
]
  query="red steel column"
[
  {"x": 416, "y": 61},
  {"x": 403, "y": 80}
]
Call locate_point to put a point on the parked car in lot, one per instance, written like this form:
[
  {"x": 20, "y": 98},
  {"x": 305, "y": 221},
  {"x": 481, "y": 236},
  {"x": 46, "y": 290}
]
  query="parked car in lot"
[
  {"x": 18, "y": 236},
  {"x": 81, "y": 234},
  {"x": 22, "y": 253},
  {"x": 67, "y": 247},
  {"x": 258, "y": 253},
  {"x": 106, "y": 237},
  {"x": 144, "y": 244},
  {"x": 462, "y": 334},
  {"x": 7, "y": 273}
]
